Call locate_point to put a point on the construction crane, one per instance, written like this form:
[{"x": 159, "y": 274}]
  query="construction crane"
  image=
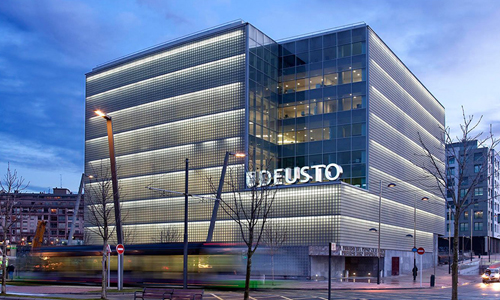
[{"x": 40, "y": 231}]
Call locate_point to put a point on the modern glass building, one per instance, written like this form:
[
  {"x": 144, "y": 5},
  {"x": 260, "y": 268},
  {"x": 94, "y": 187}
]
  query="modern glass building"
[{"x": 338, "y": 96}]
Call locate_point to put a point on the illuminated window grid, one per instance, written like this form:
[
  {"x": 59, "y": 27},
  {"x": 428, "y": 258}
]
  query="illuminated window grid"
[
  {"x": 304, "y": 152},
  {"x": 172, "y": 159},
  {"x": 313, "y": 221},
  {"x": 208, "y": 101},
  {"x": 199, "y": 78},
  {"x": 168, "y": 60},
  {"x": 263, "y": 103},
  {"x": 213, "y": 127}
]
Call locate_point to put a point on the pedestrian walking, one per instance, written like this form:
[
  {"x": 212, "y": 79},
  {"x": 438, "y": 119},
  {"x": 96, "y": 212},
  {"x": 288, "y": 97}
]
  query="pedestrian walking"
[{"x": 10, "y": 272}]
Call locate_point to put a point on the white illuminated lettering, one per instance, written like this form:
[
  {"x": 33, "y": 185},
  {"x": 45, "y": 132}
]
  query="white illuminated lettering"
[
  {"x": 288, "y": 175},
  {"x": 293, "y": 175},
  {"x": 338, "y": 172},
  {"x": 318, "y": 174},
  {"x": 251, "y": 179},
  {"x": 303, "y": 173},
  {"x": 278, "y": 177},
  {"x": 265, "y": 178}
]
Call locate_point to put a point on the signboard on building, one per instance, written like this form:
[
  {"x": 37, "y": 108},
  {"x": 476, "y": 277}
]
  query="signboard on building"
[{"x": 316, "y": 173}]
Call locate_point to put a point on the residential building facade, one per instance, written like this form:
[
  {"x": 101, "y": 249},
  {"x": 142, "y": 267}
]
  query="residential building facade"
[
  {"x": 481, "y": 218},
  {"x": 56, "y": 209},
  {"x": 340, "y": 96}
]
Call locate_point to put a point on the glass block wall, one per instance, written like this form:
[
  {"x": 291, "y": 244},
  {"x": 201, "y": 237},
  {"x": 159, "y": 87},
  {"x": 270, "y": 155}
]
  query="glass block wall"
[{"x": 180, "y": 100}]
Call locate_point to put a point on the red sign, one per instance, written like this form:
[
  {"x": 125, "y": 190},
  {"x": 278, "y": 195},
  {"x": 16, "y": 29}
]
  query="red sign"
[
  {"x": 108, "y": 249},
  {"x": 120, "y": 249},
  {"x": 420, "y": 251}
]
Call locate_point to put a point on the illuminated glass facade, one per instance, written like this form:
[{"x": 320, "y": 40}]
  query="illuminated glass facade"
[{"x": 339, "y": 96}]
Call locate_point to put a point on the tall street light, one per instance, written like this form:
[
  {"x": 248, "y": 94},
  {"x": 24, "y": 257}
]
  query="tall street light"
[
  {"x": 375, "y": 230},
  {"x": 414, "y": 236},
  {"x": 219, "y": 192},
  {"x": 116, "y": 196}
]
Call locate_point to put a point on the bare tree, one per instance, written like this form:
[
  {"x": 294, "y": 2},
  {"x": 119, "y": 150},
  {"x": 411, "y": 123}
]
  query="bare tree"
[
  {"x": 460, "y": 185},
  {"x": 100, "y": 216},
  {"x": 249, "y": 209},
  {"x": 168, "y": 234},
  {"x": 10, "y": 211},
  {"x": 275, "y": 235}
]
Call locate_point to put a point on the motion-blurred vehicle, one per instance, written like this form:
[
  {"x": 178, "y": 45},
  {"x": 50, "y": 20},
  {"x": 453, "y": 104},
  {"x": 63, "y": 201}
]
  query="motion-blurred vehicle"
[
  {"x": 208, "y": 264},
  {"x": 491, "y": 274}
]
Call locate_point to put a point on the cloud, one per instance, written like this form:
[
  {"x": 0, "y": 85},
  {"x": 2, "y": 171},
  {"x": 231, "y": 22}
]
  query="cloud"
[
  {"x": 35, "y": 155},
  {"x": 165, "y": 9}
]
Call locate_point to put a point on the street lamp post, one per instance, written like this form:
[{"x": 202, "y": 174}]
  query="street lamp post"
[
  {"x": 414, "y": 236},
  {"x": 379, "y": 225},
  {"x": 116, "y": 196},
  {"x": 219, "y": 192}
]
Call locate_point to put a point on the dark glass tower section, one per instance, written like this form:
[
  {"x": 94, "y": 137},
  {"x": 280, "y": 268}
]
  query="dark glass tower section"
[{"x": 322, "y": 104}]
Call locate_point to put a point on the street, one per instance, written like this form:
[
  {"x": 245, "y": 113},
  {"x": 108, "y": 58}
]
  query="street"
[{"x": 466, "y": 292}]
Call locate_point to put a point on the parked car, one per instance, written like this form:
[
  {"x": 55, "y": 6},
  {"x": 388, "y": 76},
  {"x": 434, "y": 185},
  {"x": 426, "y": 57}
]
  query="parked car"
[{"x": 491, "y": 274}]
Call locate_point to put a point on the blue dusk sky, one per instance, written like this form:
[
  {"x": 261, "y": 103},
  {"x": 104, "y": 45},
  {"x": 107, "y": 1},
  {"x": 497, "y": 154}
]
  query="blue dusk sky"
[{"x": 46, "y": 47}]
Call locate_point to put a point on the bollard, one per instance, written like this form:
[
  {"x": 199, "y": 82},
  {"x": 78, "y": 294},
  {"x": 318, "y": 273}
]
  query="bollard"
[{"x": 433, "y": 280}]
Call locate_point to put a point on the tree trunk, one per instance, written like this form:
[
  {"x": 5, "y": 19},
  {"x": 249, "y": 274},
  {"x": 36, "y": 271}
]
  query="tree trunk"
[
  {"x": 272, "y": 266},
  {"x": 4, "y": 261},
  {"x": 247, "y": 277},
  {"x": 104, "y": 273},
  {"x": 454, "y": 267}
]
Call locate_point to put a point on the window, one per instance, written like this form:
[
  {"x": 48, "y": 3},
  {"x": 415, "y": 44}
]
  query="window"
[
  {"x": 358, "y": 102},
  {"x": 478, "y": 191},
  {"x": 466, "y": 215},
  {"x": 346, "y": 104},
  {"x": 477, "y": 168},
  {"x": 451, "y": 171},
  {"x": 478, "y": 214},
  {"x": 358, "y": 48},
  {"x": 464, "y": 226},
  {"x": 478, "y": 226},
  {"x": 358, "y": 129},
  {"x": 478, "y": 156},
  {"x": 344, "y": 50},
  {"x": 346, "y": 76},
  {"x": 462, "y": 193},
  {"x": 451, "y": 160},
  {"x": 331, "y": 79},
  {"x": 329, "y": 53},
  {"x": 357, "y": 75}
]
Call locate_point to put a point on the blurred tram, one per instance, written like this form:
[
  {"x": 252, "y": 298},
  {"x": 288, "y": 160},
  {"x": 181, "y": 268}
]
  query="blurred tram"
[{"x": 208, "y": 264}]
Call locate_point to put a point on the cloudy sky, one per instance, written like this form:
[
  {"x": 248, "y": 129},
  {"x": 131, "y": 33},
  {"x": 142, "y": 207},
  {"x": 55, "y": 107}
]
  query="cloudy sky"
[{"x": 46, "y": 47}]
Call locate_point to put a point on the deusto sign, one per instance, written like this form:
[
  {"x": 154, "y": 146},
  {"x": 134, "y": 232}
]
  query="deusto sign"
[{"x": 330, "y": 172}]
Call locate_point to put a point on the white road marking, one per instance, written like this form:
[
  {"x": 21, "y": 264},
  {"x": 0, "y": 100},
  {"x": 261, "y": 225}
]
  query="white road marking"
[
  {"x": 286, "y": 298},
  {"x": 252, "y": 298},
  {"x": 325, "y": 298},
  {"x": 217, "y": 297}
]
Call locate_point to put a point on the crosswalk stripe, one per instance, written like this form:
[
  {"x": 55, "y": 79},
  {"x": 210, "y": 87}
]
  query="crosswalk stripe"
[
  {"x": 325, "y": 298},
  {"x": 217, "y": 297},
  {"x": 286, "y": 298}
]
